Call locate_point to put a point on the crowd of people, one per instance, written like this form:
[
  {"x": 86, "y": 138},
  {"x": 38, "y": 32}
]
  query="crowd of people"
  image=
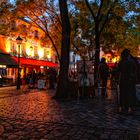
[
  {"x": 124, "y": 77},
  {"x": 34, "y": 79}
]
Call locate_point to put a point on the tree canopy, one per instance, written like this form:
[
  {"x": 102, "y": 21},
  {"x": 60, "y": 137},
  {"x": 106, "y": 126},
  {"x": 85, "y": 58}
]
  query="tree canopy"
[
  {"x": 6, "y": 16},
  {"x": 117, "y": 21}
]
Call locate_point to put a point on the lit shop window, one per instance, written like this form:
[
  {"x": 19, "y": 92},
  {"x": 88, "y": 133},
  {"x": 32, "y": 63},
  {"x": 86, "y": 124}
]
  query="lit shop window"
[
  {"x": 36, "y": 34},
  {"x": 31, "y": 51},
  {"x": 40, "y": 53}
]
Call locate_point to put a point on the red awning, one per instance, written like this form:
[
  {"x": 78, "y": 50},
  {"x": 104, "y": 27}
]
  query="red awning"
[
  {"x": 34, "y": 62},
  {"x": 111, "y": 64}
]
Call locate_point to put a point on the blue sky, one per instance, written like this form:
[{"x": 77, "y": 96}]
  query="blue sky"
[{"x": 12, "y": 1}]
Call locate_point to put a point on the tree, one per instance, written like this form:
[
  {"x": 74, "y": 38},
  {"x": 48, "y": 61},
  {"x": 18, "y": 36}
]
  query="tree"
[
  {"x": 132, "y": 39},
  {"x": 86, "y": 34},
  {"x": 62, "y": 88},
  {"x": 6, "y": 17},
  {"x": 44, "y": 14},
  {"x": 101, "y": 12},
  {"x": 82, "y": 41}
]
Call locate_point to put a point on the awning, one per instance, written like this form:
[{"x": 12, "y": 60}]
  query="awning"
[
  {"x": 6, "y": 59},
  {"x": 34, "y": 62},
  {"x": 111, "y": 64}
]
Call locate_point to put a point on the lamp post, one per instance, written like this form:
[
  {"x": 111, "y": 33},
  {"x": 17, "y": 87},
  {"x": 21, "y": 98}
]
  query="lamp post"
[{"x": 19, "y": 41}]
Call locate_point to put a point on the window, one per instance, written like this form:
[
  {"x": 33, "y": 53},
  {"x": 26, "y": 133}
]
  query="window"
[
  {"x": 13, "y": 25},
  {"x": 24, "y": 28},
  {"x": 23, "y": 50},
  {"x": 13, "y": 48},
  {"x": 31, "y": 51},
  {"x": 35, "y": 50},
  {"x": 36, "y": 34}
]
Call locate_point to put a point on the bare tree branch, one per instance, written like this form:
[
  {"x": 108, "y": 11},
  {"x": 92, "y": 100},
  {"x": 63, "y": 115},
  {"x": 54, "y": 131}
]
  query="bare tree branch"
[
  {"x": 91, "y": 11},
  {"x": 107, "y": 15}
]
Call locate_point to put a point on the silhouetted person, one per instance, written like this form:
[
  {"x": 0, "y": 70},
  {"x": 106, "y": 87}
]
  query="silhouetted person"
[
  {"x": 1, "y": 80},
  {"x": 127, "y": 84},
  {"x": 114, "y": 76},
  {"x": 103, "y": 76},
  {"x": 52, "y": 78}
]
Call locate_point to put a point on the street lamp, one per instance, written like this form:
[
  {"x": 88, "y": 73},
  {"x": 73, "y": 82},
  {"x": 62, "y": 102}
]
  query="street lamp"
[{"x": 19, "y": 41}]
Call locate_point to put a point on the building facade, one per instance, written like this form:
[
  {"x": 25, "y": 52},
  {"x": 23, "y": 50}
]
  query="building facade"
[{"x": 35, "y": 52}]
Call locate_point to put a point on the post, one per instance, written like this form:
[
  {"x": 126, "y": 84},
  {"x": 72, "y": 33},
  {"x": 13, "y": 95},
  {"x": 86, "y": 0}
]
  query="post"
[
  {"x": 19, "y": 41},
  {"x": 84, "y": 76},
  {"x": 18, "y": 78}
]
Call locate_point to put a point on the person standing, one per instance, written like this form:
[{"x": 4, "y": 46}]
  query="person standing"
[
  {"x": 1, "y": 80},
  {"x": 114, "y": 76},
  {"x": 52, "y": 78},
  {"x": 103, "y": 76},
  {"x": 127, "y": 82}
]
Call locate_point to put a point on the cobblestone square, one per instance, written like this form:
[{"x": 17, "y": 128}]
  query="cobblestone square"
[{"x": 34, "y": 115}]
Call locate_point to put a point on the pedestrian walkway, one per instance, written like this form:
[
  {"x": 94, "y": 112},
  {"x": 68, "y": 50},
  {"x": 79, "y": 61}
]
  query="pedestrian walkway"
[
  {"x": 36, "y": 116},
  {"x": 11, "y": 90}
]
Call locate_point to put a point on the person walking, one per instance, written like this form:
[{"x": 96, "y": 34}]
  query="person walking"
[
  {"x": 103, "y": 76},
  {"x": 127, "y": 82}
]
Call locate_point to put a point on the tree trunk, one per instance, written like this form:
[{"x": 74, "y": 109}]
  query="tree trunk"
[
  {"x": 62, "y": 85},
  {"x": 97, "y": 51}
]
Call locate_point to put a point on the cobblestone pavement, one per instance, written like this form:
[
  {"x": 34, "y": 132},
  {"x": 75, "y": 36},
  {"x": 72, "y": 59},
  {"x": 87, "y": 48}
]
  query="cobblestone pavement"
[{"x": 34, "y": 115}]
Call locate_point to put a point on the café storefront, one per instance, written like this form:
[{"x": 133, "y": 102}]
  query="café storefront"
[
  {"x": 8, "y": 68},
  {"x": 27, "y": 65}
]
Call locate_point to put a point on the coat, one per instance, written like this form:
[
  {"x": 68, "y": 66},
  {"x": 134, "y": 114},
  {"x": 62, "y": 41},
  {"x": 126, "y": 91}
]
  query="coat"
[{"x": 127, "y": 82}]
